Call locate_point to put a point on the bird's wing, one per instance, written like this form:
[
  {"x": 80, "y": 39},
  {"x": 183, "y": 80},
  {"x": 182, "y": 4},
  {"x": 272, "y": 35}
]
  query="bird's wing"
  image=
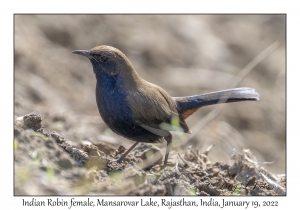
[{"x": 152, "y": 106}]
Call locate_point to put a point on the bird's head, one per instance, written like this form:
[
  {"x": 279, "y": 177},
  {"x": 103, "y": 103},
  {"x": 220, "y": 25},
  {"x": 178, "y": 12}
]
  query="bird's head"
[{"x": 106, "y": 59}]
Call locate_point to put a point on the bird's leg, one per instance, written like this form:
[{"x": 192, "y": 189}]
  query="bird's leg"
[
  {"x": 169, "y": 142},
  {"x": 127, "y": 152}
]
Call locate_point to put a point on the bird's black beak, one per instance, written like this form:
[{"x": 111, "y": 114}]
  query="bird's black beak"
[{"x": 85, "y": 53}]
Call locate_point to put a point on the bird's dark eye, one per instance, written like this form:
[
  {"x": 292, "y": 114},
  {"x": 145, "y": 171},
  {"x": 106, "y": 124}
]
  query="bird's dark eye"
[{"x": 103, "y": 58}]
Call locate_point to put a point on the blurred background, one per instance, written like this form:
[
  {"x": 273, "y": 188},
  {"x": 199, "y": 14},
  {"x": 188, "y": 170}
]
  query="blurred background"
[{"x": 184, "y": 54}]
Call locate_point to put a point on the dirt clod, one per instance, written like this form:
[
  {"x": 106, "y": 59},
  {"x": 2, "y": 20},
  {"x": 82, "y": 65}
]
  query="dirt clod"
[{"x": 32, "y": 121}]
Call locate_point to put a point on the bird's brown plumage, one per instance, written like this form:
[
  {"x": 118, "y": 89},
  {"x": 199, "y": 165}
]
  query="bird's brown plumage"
[{"x": 135, "y": 108}]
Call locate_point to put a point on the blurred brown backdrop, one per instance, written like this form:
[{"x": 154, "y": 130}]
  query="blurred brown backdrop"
[{"x": 184, "y": 54}]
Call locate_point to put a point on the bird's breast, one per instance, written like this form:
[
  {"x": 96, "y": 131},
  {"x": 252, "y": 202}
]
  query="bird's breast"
[
  {"x": 115, "y": 111},
  {"x": 111, "y": 101}
]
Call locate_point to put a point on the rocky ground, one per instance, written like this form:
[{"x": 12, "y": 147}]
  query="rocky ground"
[
  {"x": 62, "y": 146},
  {"x": 48, "y": 164}
]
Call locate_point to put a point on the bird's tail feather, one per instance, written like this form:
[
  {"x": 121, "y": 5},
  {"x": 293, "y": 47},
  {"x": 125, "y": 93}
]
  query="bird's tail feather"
[{"x": 189, "y": 104}]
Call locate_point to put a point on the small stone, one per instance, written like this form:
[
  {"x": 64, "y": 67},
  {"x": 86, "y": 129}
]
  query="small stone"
[{"x": 64, "y": 163}]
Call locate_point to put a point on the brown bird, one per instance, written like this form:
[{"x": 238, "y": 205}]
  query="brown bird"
[{"x": 136, "y": 109}]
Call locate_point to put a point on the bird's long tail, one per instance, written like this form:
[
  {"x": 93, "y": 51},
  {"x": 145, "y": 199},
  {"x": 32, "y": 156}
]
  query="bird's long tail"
[{"x": 189, "y": 104}]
